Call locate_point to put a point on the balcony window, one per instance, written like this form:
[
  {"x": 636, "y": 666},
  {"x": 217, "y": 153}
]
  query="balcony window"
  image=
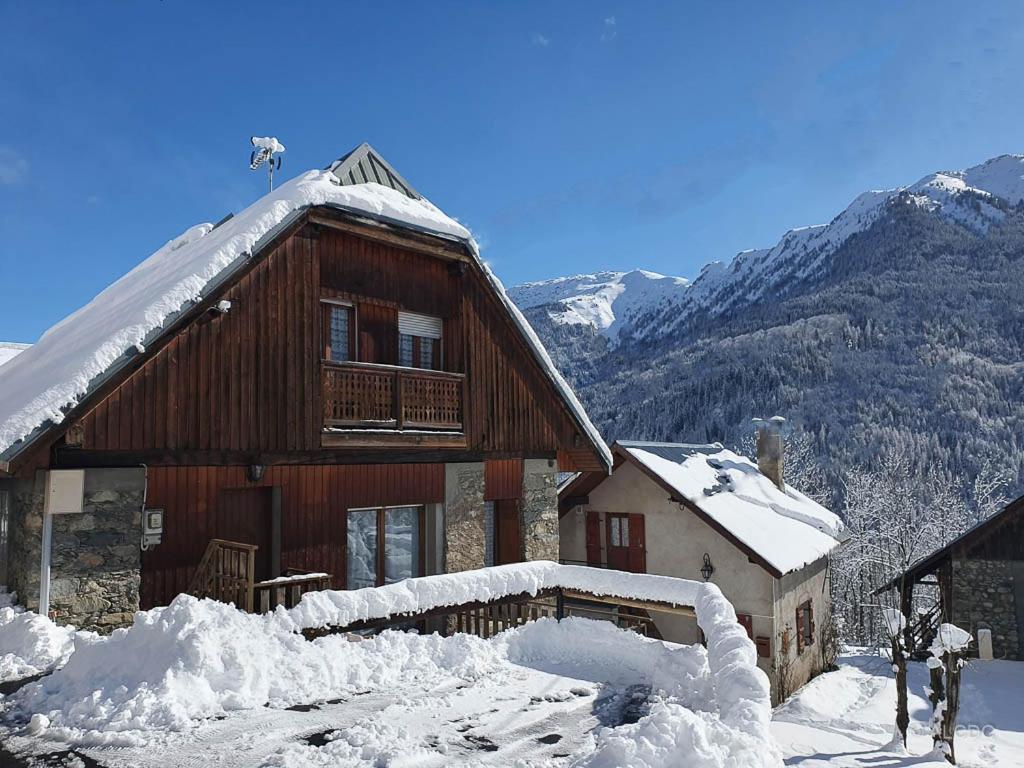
[
  {"x": 339, "y": 331},
  {"x": 419, "y": 341}
]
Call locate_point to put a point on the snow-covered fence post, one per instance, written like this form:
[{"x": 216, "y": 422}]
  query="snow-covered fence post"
[{"x": 948, "y": 652}]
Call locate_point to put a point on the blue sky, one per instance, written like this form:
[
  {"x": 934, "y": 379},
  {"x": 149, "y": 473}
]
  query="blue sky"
[{"x": 571, "y": 137}]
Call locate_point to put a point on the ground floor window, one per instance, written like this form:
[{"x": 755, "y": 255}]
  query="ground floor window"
[
  {"x": 384, "y": 545},
  {"x": 5, "y": 526}
]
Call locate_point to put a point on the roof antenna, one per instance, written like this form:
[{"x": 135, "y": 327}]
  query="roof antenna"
[{"x": 265, "y": 149}]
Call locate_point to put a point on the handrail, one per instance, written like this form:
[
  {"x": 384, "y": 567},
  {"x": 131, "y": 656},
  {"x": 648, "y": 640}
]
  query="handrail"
[
  {"x": 226, "y": 572},
  {"x": 424, "y": 372},
  {"x": 287, "y": 590}
]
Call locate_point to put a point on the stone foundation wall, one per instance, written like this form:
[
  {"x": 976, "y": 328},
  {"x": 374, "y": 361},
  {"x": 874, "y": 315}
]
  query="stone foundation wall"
[
  {"x": 984, "y": 596},
  {"x": 95, "y": 560},
  {"x": 463, "y": 517},
  {"x": 540, "y": 510}
]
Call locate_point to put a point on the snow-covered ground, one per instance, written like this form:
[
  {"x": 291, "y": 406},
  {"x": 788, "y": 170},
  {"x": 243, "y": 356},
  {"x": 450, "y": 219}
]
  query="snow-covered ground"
[
  {"x": 844, "y": 719},
  {"x": 200, "y": 682}
]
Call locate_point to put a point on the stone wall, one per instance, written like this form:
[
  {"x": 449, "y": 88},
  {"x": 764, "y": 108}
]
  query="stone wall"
[
  {"x": 95, "y": 559},
  {"x": 984, "y": 596},
  {"x": 463, "y": 517},
  {"x": 540, "y": 510}
]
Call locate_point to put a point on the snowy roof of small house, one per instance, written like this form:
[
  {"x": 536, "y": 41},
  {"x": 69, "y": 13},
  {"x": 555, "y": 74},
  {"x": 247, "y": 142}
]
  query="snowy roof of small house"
[
  {"x": 11, "y": 349},
  {"x": 78, "y": 354},
  {"x": 782, "y": 528}
]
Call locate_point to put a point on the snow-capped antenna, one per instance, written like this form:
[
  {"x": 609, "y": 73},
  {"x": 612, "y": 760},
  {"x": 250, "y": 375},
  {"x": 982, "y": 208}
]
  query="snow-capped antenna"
[{"x": 265, "y": 149}]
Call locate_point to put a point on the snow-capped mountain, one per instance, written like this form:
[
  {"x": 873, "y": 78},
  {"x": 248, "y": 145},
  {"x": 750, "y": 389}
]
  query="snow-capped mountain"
[
  {"x": 608, "y": 301},
  {"x": 642, "y": 304},
  {"x": 895, "y": 329}
]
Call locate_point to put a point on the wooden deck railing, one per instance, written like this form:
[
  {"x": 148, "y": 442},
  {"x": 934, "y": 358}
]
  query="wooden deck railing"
[
  {"x": 288, "y": 589},
  {"x": 226, "y": 573},
  {"x": 390, "y": 397},
  {"x": 490, "y": 617}
]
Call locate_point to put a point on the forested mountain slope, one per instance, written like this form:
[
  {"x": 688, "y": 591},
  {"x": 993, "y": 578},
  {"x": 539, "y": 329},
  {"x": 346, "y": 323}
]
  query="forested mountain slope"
[{"x": 897, "y": 329}]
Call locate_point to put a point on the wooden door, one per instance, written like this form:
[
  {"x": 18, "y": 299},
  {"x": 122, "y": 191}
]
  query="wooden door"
[
  {"x": 378, "y": 334},
  {"x": 246, "y": 515},
  {"x": 626, "y": 542},
  {"x": 593, "y": 538},
  {"x": 508, "y": 538}
]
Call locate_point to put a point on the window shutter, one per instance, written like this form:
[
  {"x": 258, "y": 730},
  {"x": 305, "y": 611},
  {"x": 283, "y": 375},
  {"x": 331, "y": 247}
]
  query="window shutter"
[
  {"x": 810, "y": 619},
  {"x": 413, "y": 324},
  {"x": 799, "y": 630},
  {"x": 593, "y": 538},
  {"x": 747, "y": 621},
  {"x": 637, "y": 544}
]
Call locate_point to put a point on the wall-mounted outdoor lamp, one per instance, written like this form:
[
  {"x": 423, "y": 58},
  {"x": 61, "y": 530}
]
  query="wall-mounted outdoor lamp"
[
  {"x": 255, "y": 472},
  {"x": 707, "y": 569}
]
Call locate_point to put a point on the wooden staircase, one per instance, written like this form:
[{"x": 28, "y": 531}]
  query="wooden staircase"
[
  {"x": 227, "y": 572},
  {"x": 923, "y": 631}
]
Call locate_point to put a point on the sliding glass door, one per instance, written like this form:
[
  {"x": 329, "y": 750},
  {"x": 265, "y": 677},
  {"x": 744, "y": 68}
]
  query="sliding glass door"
[{"x": 385, "y": 545}]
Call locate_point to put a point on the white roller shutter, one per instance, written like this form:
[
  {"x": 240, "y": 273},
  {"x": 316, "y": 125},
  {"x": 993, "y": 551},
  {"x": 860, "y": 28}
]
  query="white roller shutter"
[{"x": 412, "y": 324}]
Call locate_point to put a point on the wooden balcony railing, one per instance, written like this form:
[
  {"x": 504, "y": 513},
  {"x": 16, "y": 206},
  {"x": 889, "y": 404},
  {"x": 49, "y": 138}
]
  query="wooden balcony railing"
[{"x": 390, "y": 397}]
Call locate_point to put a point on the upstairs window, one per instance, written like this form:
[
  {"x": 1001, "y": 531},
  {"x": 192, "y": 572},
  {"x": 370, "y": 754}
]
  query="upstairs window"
[
  {"x": 419, "y": 340},
  {"x": 339, "y": 331}
]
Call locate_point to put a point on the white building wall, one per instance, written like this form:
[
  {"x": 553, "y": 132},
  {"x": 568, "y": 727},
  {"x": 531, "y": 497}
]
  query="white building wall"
[{"x": 676, "y": 541}]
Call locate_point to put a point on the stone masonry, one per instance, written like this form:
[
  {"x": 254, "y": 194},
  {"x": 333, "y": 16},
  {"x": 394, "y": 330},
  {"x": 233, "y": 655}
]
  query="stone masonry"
[
  {"x": 95, "y": 559},
  {"x": 983, "y": 596},
  {"x": 463, "y": 517},
  {"x": 540, "y": 510}
]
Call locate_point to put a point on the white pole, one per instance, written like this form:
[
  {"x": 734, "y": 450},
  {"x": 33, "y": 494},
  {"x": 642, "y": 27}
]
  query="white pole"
[{"x": 44, "y": 565}]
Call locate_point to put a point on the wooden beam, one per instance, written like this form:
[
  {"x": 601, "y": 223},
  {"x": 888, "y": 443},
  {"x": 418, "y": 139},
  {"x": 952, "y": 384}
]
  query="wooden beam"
[
  {"x": 367, "y": 439},
  {"x": 382, "y": 233},
  {"x": 647, "y": 605},
  {"x": 74, "y": 458}
]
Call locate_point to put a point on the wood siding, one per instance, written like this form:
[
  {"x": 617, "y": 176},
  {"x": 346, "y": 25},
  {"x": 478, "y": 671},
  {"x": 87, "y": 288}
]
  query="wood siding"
[
  {"x": 249, "y": 381},
  {"x": 314, "y": 501}
]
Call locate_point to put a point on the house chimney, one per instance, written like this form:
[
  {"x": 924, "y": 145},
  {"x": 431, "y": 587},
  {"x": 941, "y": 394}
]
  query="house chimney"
[{"x": 769, "y": 449}]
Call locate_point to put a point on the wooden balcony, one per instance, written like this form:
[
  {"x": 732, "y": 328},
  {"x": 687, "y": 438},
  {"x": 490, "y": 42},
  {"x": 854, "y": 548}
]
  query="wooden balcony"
[{"x": 365, "y": 397}]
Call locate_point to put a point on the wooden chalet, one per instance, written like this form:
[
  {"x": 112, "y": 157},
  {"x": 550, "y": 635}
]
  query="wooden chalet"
[{"x": 351, "y": 401}]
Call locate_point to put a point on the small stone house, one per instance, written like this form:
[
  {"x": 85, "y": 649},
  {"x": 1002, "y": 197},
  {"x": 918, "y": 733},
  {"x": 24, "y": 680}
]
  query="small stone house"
[
  {"x": 979, "y": 577},
  {"x": 706, "y": 513},
  {"x": 331, "y": 381}
]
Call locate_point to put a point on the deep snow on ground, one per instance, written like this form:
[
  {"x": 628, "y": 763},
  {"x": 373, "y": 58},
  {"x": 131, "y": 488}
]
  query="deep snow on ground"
[
  {"x": 844, "y": 719},
  {"x": 30, "y": 644},
  {"x": 200, "y": 682}
]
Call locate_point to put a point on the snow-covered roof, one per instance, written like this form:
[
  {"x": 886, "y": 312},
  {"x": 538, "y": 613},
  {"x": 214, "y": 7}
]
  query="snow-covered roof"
[
  {"x": 11, "y": 349},
  {"x": 45, "y": 381},
  {"x": 784, "y": 528}
]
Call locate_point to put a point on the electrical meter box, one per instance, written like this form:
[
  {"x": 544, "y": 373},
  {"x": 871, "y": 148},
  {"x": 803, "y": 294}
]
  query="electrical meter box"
[
  {"x": 152, "y": 527},
  {"x": 65, "y": 491}
]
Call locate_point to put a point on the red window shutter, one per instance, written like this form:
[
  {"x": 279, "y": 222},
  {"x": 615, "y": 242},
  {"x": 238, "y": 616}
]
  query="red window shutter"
[
  {"x": 748, "y": 623},
  {"x": 799, "y": 630},
  {"x": 593, "y": 538},
  {"x": 637, "y": 544}
]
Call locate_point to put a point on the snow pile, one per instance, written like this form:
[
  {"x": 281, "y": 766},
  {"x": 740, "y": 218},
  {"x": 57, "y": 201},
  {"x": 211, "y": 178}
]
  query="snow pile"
[
  {"x": 949, "y": 639},
  {"x": 45, "y": 380},
  {"x": 785, "y": 527},
  {"x": 196, "y": 659},
  {"x": 340, "y": 608},
  {"x": 31, "y": 644},
  {"x": 734, "y": 734}
]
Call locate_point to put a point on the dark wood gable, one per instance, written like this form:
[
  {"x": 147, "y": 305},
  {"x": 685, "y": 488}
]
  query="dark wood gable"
[{"x": 229, "y": 387}]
